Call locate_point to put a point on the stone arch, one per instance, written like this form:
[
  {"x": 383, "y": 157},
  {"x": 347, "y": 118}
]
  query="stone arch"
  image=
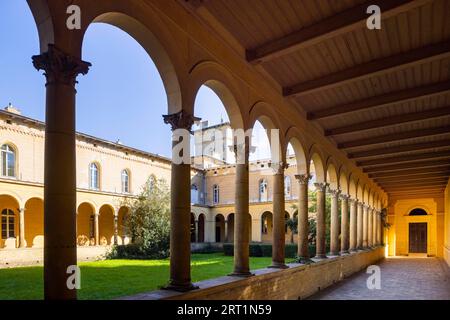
[
  {"x": 420, "y": 207},
  {"x": 316, "y": 159},
  {"x": 332, "y": 175},
  {"x": 157, "y": 51},
  {"x": 263, "y": 112},
  {"x": 201, "y": 227},
  {"x": 359, "y": 191},
  {"x": 8, "y": 202},
  {"x": 230, "y": 227},
  {"x": 266, "y": 226},
  {"x": 122, "y": 232},
  {"x": 219, "y": 80},
  {"x": 344, "y": 184},
  {"x": 44, "y": 23},
  {"x": 219, "y": 227},
  {"x": 85, "y": 224},
  {"x": 294, "y": 138},
  {"x": 34, "y": 222},
  {"x": 353, "y": 188},
  {"x": 106, "y": 224}
]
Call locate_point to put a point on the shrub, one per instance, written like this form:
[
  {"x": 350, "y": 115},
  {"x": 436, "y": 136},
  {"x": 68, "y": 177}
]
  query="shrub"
[
  {"x": 265, "y": 250},
  {"x": 148, "y": 223}
]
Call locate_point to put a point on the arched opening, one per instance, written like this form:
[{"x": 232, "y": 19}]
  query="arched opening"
[
  {"x": 123, "y": 236},
  {"x": 106, "y": 225},
  {"x": 418, "y": 212},
  {"x": 9, "y": 224},
  {"x": 94, "y": 176},
  {"x": 266, "y": 226},
  {"x": 201, "y": 228},
  {"x": 8, "y": 162},
  {"x": 230, "y": 228},
  {"x": 193, "y": 228},
  {"x": 220, "y": 228},
  {"x": 34, "y": 223},
  {"x": 85, "y": 224},
  {"x": 263, "y": 189},
  {"x": 125, "y": 181}
]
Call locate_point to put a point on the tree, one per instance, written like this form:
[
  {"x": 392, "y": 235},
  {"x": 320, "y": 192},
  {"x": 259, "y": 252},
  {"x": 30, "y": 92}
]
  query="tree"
[{"x": 148, "y": 222}]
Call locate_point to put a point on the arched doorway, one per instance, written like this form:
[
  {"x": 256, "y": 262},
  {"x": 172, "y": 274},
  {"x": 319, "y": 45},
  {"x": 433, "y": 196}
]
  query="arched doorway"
[
  {"x": 201, "y": 228},
  {"x": 230, "y": 227},
  {"x": 266, "y": 226},
  {"x": 193, "y": 228},
  {"x": 34, "y": 223},
  {"x": 220, "y": 228},
  {"x": 106, "y": 225},
  {"x": 86, "y": 224},
  {"x": 122, "y": 232}
]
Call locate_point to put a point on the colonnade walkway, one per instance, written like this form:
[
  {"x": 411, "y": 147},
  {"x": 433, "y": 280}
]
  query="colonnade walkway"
[{"x": 402, "y": 278}]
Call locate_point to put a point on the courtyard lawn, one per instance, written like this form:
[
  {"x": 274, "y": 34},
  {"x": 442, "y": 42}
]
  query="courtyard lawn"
[{"x": 116, "y": 278}]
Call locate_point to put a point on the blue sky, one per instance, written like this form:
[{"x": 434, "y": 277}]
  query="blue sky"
[{"x": 122, "y": 96}]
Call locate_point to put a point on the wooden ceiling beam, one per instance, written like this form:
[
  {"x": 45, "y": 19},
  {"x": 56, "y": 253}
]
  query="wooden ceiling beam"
[
  {"x": 399, "y": 149},
  {"x": 404, "y": 158},
  {"x": 421, "y": 177},
  {"x": 412, "y": 195},
  {"x": 395, "y": 137},
  {"x": 389, "y": 121},
  {"x": 372, "y": 68},
  {"x": 410, "y": 172},
  {"x": 404, "y": 166},
  {"x": 423, "y": 187},
  {"x": 333, "y": 26},
  {"x": 382, "y": 100},
  {"x": 438, "y": 182}
]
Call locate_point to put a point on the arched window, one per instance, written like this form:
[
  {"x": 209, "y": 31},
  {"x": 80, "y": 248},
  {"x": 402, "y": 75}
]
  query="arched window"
[
  {"x": 8, "y": 224},
  {"x": 125, "y": 177},
  {"x": 418, "y": 212},
  {"x": 216, "y": 194},
  {"x": 287, "y": 187},
  {"x": 263, "y": 194},
  {"x": 94, "y": 177},
  {"x": 8, "y": 161},
  {"x": 151, "y": 182}
]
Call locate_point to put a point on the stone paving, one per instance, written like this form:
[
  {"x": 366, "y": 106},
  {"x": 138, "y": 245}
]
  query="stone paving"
[{"x": 402, "y": 278}]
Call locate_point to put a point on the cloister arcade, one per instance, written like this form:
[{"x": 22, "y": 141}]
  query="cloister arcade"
[{"x": 188, "y": 56}]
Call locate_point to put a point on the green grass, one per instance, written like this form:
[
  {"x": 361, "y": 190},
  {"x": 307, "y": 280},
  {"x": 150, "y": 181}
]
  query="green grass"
[{"x": 115, "y": 278}]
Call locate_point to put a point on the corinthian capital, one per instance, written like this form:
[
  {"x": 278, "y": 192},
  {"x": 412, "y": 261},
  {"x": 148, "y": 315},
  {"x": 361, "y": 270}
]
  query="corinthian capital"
[
  {"x": 335, "y": 192},
  {"x": 180, "y": 120},
  {"x": 60, "y": 67},
  {"x": 344, "y": 196},
  {"x": 303, "y": 178},
  {"x": 321, "y": 186},
  {"x": 278, "y": 168}
]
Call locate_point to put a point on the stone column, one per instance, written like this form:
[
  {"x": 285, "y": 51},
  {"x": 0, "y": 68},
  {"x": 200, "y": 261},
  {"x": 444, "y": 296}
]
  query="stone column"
[
  {"x": 116, "y": 228},
  {"x": 359, "y": 219},
  {"x": 344, "y": 224},
  {"x": 96, "y": 229},
  {"x": 320, "y": 227},
  {"x": 334, "y": 223},
  {"x": 303, "y": 223},
  {"x": 226, "y": 230},
  {"x": 380, "y": 229},
  {"x": 278, "y": 234},
  {"x": 241, "y": 223},
  {"x": 353, "y": 239},
  {"x": 22, "y": 243},
  {"x": 374, "y": 228},
  {"x": 370, "y": 228},
  {"x": 180, "y": 204},
  {"x": 365, "y": 226},
  {"x": 60, "y": 249}
]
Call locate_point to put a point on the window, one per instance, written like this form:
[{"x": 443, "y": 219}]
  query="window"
[
  {"x": 125, "y": 181},
  {"x": 94, "y": 177},
  {"x": 8, "y": 159},
  {"x": 263, "y": 190},
  {"x": 194, "y": 194},
  {"x": 215, "y": 194},
  {"x": 418, "y": 212},
  {"x": 8, "y": 224},
  {"x": 287, "y": 186}
]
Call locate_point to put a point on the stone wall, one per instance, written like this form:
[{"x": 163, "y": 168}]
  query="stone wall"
[{"x": 297, "y": 282}]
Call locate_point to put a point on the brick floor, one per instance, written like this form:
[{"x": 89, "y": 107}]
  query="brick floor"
[{"x": 402, "y": 278}]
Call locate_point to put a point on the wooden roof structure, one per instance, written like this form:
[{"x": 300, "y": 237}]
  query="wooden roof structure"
[{"x": 382, "y": 96}]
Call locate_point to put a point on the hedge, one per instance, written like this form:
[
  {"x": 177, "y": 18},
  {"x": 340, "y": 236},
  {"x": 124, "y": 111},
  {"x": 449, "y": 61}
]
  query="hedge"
[{"x": 265, "y": 250}]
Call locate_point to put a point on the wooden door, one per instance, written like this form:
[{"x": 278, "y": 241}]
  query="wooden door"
[{"x": 418, "y": 237}]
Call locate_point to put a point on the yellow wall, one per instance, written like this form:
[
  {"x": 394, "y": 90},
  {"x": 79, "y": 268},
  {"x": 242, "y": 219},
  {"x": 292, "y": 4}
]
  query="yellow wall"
[{"x": 446, "y": 226}]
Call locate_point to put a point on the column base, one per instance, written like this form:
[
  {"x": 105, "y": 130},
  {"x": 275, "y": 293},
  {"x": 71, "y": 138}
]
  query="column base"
[
  {"x": 333, "y": 254},
  {"x": 344, "y": 252},
  {"x": 180, "y": 288},
  {"x": 278, "y": 265},
  {"x": 320, "y": 256},
  {"x": 241, "y": 274},
  {"x": 304, "y": 260}
]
